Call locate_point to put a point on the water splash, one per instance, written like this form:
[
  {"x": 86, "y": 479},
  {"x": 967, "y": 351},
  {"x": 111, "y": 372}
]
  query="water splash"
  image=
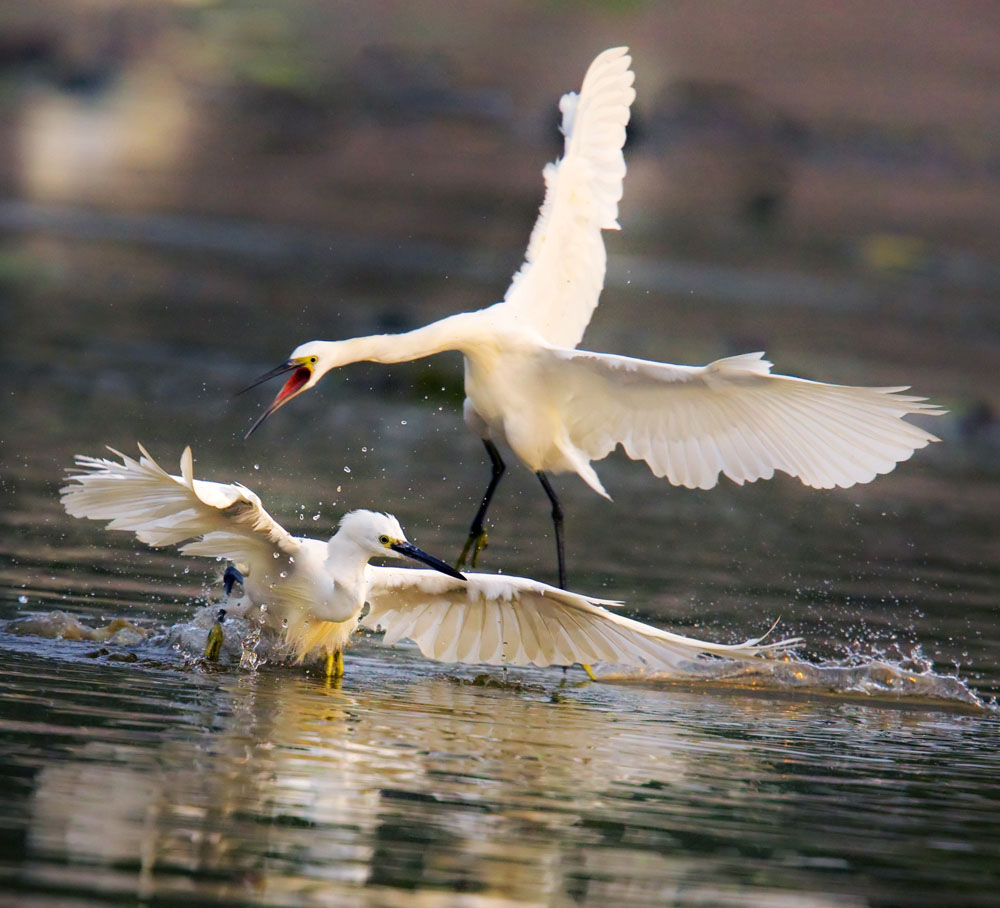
[
  {"x": 252, "y": 656},
  {"x": 64, "y": 626},
  {"x": 910, "y": 677},
  {"x": 248, "y": 643}
]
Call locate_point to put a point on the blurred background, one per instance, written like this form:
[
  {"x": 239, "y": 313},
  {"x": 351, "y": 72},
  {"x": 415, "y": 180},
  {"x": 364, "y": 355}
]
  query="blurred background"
[{"x": 190, "y": 189}]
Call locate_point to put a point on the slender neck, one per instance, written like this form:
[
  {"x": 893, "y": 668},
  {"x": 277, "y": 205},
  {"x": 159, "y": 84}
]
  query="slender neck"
[
  {"x": 445, "y": 334},
  {"x": 349, "y": 557},
  {"x": 346, "y": 561}
]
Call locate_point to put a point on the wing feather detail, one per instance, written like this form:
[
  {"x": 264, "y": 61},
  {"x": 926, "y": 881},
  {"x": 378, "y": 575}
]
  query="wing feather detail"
[
  {"x": 496, "y": 619},
  {"x": 557, "y": 287},
  {"x": 731, "y": 417},
  {"x": 138, "y": 495}
]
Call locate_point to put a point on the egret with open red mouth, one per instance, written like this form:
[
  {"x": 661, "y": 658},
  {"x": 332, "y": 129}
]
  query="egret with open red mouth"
[
  {"x": 300, "y": 379},
  {"x": 558, "y": 408}
]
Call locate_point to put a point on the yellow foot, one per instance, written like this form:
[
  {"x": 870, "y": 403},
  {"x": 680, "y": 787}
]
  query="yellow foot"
[
  {"x": 589, "y": 671},
  {"x": 474, "y": 545},
  {"x": 335, "y": 665},
  {"x": 213, "y": 646}
]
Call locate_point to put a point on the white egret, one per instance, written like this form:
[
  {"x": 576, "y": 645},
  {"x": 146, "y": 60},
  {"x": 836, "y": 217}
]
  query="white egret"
[
  {"x": 559, "y": 408},
  {"x": 315, "y": 590}
]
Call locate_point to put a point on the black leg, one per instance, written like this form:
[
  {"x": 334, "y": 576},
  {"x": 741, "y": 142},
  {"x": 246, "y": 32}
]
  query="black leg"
[
  {"x": 230, "y": 579},
  {"x": 557, "y": 522},
  {"x": 477, "y": 531}
]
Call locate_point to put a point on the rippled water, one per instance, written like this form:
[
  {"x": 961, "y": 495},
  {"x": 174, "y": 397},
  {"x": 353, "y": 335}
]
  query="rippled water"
[
  {"x": 865, "y": 773},
  {"x": 273, "y": 788}
]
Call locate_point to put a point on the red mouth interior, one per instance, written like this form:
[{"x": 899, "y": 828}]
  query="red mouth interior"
[{"x": 294, "y": 384}]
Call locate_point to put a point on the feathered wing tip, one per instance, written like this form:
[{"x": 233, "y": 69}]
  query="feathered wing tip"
[
  {"x": 498, "y": 619},
  {"x": 594, "y": 125},
  {"x": 677, "y": 651},
  {"x": 558, "y": 286},
  {"x": 734, "y": 418},
  {"x": 103, "y": 489},
  {"x": 756, "y": 647},
  {"x": 161, "y": 509}
]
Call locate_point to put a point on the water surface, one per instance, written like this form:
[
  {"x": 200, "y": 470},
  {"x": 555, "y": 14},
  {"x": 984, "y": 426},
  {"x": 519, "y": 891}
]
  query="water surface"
[{"x": 866, "y": 774}]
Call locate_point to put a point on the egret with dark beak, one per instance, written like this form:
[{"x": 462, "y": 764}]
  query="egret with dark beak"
[
  {"x": 559, "y": 408},
  {"x": 315, "y": 589}
]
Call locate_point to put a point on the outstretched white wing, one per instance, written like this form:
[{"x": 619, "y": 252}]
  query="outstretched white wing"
[
  {"x": 732, "y": 416},
  {"x": 495, "y": 619},
  {"x": 138, "y": 495},
  {"x": 560, "y": 281}
]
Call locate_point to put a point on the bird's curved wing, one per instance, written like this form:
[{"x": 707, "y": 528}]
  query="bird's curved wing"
[
  {"x": 495, "y": 619},
  {"x": 732, "y": 416},
  {"x": 559, "y": 283},
  {"x": 161, "y": 509}
]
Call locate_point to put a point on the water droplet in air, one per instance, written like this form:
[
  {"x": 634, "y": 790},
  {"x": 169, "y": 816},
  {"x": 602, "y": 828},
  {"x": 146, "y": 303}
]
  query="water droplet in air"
[
  {"x": 402, "y": 422},
  {"x": 364, "y": 450},
  {"x": 338, "y": 488},
  {"x": 22, "y": 599},
  {"x": 256, "y": 466},
  {"x": 347, "y": 469},
  {"x": 283, "y": 574},
  {"x": 315, "y": 516},
  {"x": 275, "y": 554}
]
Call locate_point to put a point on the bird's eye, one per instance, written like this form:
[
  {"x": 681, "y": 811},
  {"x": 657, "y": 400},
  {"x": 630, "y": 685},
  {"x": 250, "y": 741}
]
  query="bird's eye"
[
  {"x": 312, "y": 359},
  {"x": 384, "y": 540}
]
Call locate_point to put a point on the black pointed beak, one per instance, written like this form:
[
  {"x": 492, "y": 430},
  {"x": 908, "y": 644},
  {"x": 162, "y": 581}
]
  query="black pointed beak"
[
  {"x": 411, "y": 551},
  {"x": 301, "y": 373},
  {"x": 286, "y": 366}
]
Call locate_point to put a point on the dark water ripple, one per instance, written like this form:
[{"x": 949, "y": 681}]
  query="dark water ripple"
[{"x": 273, "y": 788}]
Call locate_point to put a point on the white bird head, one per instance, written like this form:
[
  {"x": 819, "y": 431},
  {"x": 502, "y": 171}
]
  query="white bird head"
[{"x": 381, "y": 535}]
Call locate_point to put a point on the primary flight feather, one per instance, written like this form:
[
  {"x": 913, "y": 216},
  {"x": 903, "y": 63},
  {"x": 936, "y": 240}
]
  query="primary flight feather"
[
  {"x": 314, "y": 590},
  {"x": 559, "y": 408}
]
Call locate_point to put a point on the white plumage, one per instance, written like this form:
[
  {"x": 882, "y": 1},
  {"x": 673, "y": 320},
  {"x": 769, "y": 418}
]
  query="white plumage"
[
  {"x": 559, "y": 408},
  {"x": 314, "y": 590},
  {"x": 496, "y": 620}
]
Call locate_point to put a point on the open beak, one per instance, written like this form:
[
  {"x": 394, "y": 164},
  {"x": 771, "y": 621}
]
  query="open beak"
[
  {"x": 411, "y": 551},
  {"x": 297, "y": 381}
]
